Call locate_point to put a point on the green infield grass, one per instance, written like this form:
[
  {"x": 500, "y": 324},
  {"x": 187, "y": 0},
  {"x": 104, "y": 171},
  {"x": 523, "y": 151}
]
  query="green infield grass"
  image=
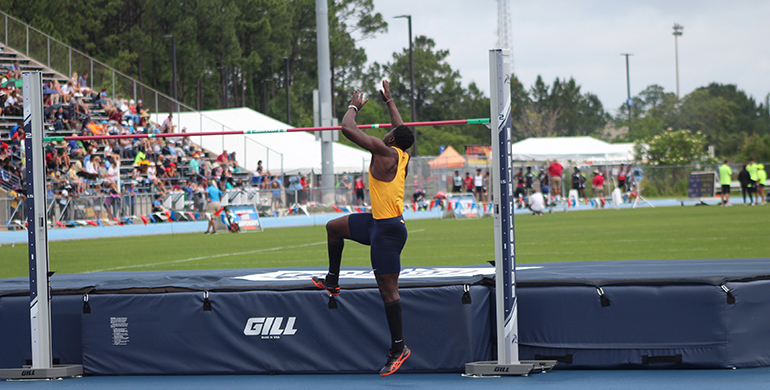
[{"x": 661, "y": 233}]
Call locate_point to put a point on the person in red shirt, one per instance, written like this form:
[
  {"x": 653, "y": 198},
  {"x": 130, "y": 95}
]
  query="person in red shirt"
[
  {"x": 598, "y": 185},
  {"x": 223, "y": 158},
  {"x": 554, "y": 171},
  {"x": 359, "y": 187},
  {"x": 622, "y": 177},
  {"x": 469, "y": 187}
]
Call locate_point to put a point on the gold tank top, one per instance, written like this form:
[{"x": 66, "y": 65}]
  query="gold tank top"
[{"x": 388, "y": 197}]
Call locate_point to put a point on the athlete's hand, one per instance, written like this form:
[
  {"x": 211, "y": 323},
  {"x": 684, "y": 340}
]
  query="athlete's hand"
[
  {"x": 385, "y": 91},
  {"x": 358, "y": 101}
]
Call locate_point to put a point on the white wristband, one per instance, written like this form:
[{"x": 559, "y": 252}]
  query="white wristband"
[{"x": 353, "y": 107}]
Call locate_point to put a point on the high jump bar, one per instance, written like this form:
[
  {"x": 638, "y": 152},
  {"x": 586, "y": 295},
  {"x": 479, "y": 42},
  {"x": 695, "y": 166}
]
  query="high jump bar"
[{"x": 178, "y": 135}]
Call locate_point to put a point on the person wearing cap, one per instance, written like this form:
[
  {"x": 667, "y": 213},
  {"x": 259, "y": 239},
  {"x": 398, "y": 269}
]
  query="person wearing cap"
[
  {"x": 725, "y": 178},
  {"x": 598, "y": 186},
  {"x": 761, "y": 179},
  {"x": 168, "y": 124},
  {"x": 131, "y": 113}
]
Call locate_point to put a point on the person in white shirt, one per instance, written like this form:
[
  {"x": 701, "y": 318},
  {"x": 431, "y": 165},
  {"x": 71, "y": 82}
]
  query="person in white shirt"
[
  {"x": 478, "y": 182},
  {"x": 537, "y": 202}
]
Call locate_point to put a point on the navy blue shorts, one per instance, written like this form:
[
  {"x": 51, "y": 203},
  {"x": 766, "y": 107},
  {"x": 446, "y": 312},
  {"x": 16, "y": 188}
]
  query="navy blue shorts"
[{"x": 386, "y": 238}]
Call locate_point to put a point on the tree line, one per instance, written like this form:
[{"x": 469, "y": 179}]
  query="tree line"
[{"x": 233, "y": 53}]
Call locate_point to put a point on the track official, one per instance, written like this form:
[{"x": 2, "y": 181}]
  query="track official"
[{"x": 383, "y": 229}]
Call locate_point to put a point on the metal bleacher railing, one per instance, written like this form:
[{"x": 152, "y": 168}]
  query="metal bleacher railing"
[{"x": 64, "y": 59}]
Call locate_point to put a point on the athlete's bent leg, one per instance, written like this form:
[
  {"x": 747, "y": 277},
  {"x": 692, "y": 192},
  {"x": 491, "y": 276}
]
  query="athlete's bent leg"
[{"x": 337, "y": 230}]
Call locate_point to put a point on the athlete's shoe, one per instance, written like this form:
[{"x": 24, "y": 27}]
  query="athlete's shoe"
[
  {"x": 321, "y": 283},
  {"x": 395, "y": 360}
]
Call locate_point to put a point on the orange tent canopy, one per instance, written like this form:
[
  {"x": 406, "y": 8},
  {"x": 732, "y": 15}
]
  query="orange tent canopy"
[{"x": 448, "y": 159}]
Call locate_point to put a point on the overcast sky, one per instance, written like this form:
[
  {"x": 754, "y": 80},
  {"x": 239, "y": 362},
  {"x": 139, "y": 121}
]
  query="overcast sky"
[{"x": 725, "y": 42}]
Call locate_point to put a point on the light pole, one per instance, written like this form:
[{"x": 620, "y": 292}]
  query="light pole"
[
  {"x": 628, "y": 90},
  {"x": 677, "y": 33},
  {"x": 173, "y": 59},
  {"x": 288, "y": 100},
  {"x": 411, "y": 81}
]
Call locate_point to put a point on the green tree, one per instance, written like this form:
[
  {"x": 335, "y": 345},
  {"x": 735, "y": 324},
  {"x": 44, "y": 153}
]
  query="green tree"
[
  {"x": 673, "y": 147},
  {"x": 756, "y": 148}
]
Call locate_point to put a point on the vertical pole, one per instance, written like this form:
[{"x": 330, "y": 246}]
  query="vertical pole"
[
  {"x": 27, "y": 41},
  {"x": 91, "y": 79},
  {"x": 6, "y": 30},
  {"x": 411, "y": 87},
  {"x": 502, "y": 190},
  {"x": 114, "y": 92},
  {"x": 325, "y": 101},
  {"x": 70, "y": 62},
  {"x": 628, "y": 90},
  {"x": 48, "y": 50},
  {"x": 40, "y": 308},
  {"x": 676, "y": 55},
  {"x": 286, "y": 85},
  {"x": 173, "y": 55}
]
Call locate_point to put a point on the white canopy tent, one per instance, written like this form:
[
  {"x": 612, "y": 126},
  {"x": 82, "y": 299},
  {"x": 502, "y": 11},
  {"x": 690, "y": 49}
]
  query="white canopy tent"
[
  {"x": 576, "y": 149},
  {"x": 280, "y": 152}
]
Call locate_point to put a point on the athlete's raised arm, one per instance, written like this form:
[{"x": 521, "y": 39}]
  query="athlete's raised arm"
[{"x": 351, "y": 131}]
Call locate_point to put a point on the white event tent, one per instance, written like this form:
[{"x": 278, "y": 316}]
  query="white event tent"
[
  {"x": 576, "y": 149},
  {"x": 280, "y": 152}
]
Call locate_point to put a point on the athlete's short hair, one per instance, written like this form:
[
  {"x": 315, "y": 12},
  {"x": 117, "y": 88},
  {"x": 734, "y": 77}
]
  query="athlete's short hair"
[{"x": 404, "y": 137}]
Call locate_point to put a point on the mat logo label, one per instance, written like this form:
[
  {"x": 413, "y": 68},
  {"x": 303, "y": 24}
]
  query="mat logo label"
[{"x": 269, "y": 327}]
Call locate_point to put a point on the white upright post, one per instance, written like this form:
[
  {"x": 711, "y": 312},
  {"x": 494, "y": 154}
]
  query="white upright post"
[
  {"x": 503, "y": 206},
  {"x": 37, "y": 232},
  {"x": 39, "y": 305}
]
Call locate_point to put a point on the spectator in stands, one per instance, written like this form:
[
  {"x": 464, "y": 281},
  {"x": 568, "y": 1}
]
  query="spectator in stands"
[
  {"x": 118, "y": 102},
  {"x": 223, "y": 158},
  {"x": 12, "y": 106},
  {"x": 82, "y": 83},
  {"x": 131, "y": 114},
  {"x": 360, "y": 188},
  {"x": 101, "y": 100},
  {"x": 195, "y": 165},
  {"x": 53, "y": 94},
  {"x": 57, "y": 87},
  {"x": 14, "y": 70},
  {"x": 168, "y": 124},
  {"x": 67, "y": 91},
  {"x": 77, "y": 102},
  {"x": 144, "y": 115},
  {"x": 157, "y": 204},
  {"x": 113, "y": 114}
]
